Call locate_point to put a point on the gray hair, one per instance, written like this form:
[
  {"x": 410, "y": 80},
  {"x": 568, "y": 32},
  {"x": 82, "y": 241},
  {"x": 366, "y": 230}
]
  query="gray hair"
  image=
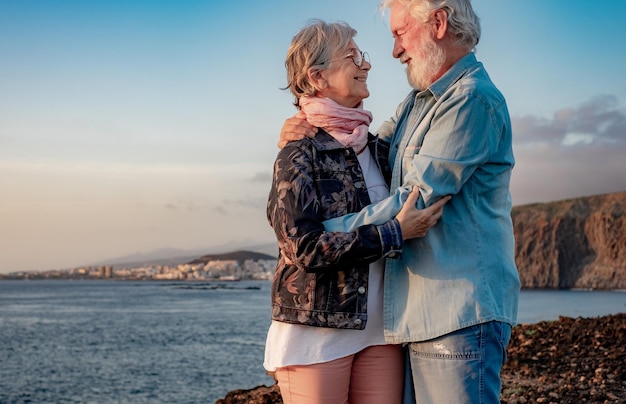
[
  {"x": 463, "y": 23},
  {"x": 313, "y": 47}
]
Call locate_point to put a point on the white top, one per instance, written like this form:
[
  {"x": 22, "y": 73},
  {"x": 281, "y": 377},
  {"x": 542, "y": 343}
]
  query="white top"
[{"x": 296, "y": 344}]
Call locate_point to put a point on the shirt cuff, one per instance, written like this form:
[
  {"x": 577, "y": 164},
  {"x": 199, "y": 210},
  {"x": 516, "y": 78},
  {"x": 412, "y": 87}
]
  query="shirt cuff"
[{"x": 391, "y": 238}]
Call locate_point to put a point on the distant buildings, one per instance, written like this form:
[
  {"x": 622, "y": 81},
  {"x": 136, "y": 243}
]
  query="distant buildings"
[
  {"x": 213, "y": 270},
  {"x": 105, "y": 272}
]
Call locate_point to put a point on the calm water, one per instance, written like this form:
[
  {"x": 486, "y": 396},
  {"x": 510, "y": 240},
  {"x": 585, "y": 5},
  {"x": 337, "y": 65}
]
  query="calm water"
[{"x": 151, "y": 342}]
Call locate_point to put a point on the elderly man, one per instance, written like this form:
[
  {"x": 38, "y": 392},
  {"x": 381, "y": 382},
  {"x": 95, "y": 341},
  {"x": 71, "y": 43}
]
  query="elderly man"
[{"x": 451, "y": 296}]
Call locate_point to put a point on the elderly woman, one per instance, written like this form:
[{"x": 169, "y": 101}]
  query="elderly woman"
[{"x": 326, "y": 342}]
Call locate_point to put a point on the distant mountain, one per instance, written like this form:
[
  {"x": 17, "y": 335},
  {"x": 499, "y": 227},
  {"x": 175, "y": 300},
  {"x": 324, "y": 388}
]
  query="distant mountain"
[
  {"x": 267, "y": 248},
  {"x": 239, "y": 256},
  {"x": 175, "y": 256},
  {"x": 156, "y": 255}
]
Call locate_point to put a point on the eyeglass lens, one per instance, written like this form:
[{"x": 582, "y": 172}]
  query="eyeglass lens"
[{"x": 358, "y": 57}]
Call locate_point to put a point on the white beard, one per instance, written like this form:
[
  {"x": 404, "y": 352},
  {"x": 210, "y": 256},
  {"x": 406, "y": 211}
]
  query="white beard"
[{"x": 426, "y": 65}]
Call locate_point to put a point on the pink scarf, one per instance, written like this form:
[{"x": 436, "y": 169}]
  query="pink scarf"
[{"x": 349, "y": 126}]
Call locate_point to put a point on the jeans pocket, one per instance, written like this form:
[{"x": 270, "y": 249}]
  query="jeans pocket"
[{"x": 464, "y": 344}]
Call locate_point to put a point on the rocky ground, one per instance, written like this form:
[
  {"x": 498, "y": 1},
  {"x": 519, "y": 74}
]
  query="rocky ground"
[{"x": 580, "y": 360}]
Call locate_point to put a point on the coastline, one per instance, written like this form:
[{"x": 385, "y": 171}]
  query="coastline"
[{"x": 569, "y": 360}]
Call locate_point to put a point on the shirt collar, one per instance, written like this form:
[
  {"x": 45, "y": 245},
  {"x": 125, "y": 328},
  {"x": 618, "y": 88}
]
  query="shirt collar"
[{"x": 439, "y": 87}]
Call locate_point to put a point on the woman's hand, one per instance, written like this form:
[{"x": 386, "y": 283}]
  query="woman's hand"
[
  {"x": 414, "y": 222},
  {"x": 295, "y": 128}
]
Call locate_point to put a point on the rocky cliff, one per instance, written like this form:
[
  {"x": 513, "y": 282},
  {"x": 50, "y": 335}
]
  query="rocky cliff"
[{"x": 574, "y": 243}]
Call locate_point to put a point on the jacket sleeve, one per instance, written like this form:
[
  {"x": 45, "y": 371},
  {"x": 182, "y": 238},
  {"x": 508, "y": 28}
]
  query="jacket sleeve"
[{"x": 295, "y": 213}]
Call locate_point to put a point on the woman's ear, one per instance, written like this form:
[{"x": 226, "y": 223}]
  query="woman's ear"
[{"x": 317, "y": 79}]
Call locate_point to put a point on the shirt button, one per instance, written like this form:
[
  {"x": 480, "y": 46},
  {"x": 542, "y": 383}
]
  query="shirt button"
[
  {"x": 357, "y": 322},
  {"x": 361, "y": 289}
]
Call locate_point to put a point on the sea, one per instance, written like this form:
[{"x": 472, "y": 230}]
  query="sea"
[{"x": 106, "y": 341}]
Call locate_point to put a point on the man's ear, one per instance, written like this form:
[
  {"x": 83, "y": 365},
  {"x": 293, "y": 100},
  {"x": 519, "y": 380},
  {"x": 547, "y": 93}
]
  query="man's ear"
[
  {"x": 317, "y": 79},
  {"x": 440, "y": 21}
]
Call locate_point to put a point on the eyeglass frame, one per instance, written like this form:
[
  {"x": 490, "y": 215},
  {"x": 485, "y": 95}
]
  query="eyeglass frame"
[{"x": 358, "y": 55}]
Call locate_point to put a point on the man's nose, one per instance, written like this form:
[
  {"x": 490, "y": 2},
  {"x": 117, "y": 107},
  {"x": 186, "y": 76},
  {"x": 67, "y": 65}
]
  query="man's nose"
[{"x": 398, "y": 50}]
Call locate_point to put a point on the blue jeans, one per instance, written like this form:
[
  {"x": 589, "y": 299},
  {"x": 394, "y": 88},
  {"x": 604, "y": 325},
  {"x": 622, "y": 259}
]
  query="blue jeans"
[{"x": 460, "y": 367}]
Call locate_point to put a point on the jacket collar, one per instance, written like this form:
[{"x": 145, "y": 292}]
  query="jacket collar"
[{"x": 324, "y": 141}]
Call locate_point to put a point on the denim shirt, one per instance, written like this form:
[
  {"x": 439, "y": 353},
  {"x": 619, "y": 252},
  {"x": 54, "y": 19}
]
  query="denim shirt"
[
  {"x": 453, "y": 138},
  {"x": 321, "y": 278}
]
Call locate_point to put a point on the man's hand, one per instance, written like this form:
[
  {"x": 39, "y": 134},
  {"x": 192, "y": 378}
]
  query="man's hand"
[
  {"x": 414, "y": 222},
  {"x": 295, "y": 128}
]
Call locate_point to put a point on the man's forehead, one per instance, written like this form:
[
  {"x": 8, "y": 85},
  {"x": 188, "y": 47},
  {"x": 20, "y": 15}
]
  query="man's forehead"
[{"x": 398, "y": 17}]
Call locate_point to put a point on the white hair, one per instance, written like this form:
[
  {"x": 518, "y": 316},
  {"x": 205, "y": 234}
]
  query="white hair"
[{"x": 463, "y": 24}]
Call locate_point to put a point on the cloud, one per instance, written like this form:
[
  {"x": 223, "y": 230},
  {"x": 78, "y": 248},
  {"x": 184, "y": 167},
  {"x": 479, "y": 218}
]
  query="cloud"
[
  {"x": 189, "y": 206},
  {"x": 255, "y": 202},
  {"x": 221, "y": 210},
  {"x": 598, "y": 121},
  {"x": 237, "y": 206},
  {"x": 262, "y": 177},
  {"x": 578, "y": 151}
]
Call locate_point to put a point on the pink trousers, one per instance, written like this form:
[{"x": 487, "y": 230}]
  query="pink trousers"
[{"x": 372, "y": 376}]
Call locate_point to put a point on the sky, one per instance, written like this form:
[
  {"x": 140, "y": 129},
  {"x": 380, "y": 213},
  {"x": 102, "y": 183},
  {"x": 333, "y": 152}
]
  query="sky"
[{"x": 129, "y": 126}]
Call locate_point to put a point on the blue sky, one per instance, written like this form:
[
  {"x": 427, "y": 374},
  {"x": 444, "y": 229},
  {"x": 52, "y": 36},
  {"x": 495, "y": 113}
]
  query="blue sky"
[{"x": 129, "y": 126}]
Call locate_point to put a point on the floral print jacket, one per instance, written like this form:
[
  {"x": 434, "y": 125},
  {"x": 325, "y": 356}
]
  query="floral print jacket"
[{"x": 321, "y": 278}]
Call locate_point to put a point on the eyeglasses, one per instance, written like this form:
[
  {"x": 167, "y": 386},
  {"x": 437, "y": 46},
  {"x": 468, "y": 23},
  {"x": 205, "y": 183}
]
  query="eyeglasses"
[{"x": 358, "y": 56}]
